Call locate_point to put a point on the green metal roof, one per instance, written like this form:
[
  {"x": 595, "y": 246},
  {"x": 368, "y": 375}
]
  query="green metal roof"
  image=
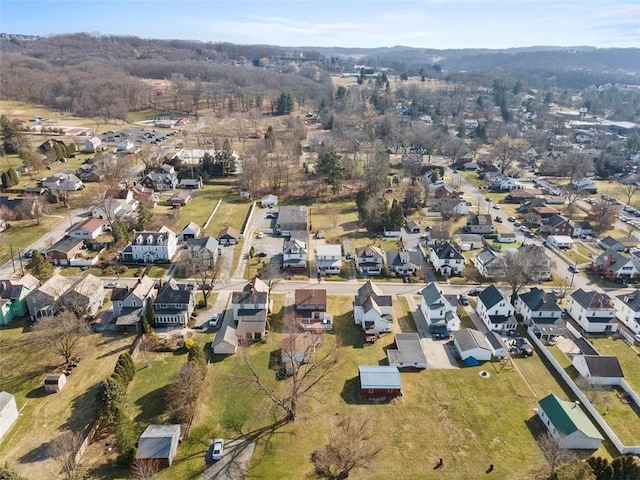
[{"x": 568, "y": 417}]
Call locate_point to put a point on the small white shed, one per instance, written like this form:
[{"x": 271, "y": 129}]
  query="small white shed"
[
  {"x": 225, "y": 341},
  {"x": 559, "y": 241},
  {"x": 54, "y": 382}
]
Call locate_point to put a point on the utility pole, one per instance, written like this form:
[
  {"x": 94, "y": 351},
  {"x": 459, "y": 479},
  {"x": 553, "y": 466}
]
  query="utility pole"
[{"x": 12, "y": 260}]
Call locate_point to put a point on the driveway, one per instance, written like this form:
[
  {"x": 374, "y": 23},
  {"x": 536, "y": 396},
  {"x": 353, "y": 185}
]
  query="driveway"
[
  {"x": 234, "y": 462},
  {"x": 438, "y": 354}
]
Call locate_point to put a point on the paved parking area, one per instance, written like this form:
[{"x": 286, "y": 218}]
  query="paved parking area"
[
  {"x": 234, "y": 462},
  {"x": 138, "y": 135}
]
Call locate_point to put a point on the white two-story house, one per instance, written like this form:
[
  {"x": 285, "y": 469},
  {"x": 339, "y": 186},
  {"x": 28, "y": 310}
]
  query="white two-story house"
[
  {"x": 250, "y": 309},
  {"x": 627, "y": 307},
  {"x": 329, "y": 259},
  {"x": 437, "y": 310},
  {"x": 294, "y": 254},
  {"x": 446, "y": 259},
  {"x": 369, "y": 260},
  {"x": 495, "y": 310},
  {"x": 150, "y": 247},
  {"x": 538, "y": 306},
  {"x": 372, "y": 309},
  {"x": 593, "y": 311}
]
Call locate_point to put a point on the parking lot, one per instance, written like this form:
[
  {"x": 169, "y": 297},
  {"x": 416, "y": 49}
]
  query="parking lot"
[
  {"x": 269, "y": 243},
  {"x": 138, "y": 135}
]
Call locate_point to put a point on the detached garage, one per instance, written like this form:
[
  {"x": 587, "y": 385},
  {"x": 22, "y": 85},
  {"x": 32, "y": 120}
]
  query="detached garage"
[
  {"x": 379, "y": 381},
  {"x": 8, "y": 412},
  {"x": 568, "y": 424}
]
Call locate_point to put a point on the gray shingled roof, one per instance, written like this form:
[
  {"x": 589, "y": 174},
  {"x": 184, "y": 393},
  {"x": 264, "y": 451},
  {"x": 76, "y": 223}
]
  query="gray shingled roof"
[
  {"x": 447, "y": 251},
  {"x": 173, "y": 293},
  {"x": 540, "y": 301},
  {"x": 612, "y": 260},
  {"x": 468, "y": 339},
  {"x": 491, "y": 296},
  {"x": 592, "y": 300},
  {"x": 600, "y": 366},
  {"x": 631, "y": 300}
]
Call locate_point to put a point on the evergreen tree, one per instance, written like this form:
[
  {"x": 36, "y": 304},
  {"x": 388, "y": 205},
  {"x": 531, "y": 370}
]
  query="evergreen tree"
[
  {"x": 331, "y": 167},
  {"x": 40, "y": 267},
  {"x": 120, "y": 232},
  {"x": 13, "y": 177},
  {"x": 285, "y": 104},
  {"x": 4, "y": 177},
  {"x": 396, "y": 215},
  {"x": 151, "y": 312},
  {"x": 341, "y": 93},
  {"x": 143, "y": 216}
]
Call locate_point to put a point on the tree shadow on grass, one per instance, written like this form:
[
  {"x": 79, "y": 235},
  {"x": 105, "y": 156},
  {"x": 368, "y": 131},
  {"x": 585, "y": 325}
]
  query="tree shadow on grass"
[
  {"x": 37, "y": 454},
  {"x": 84, "y": 409},
  {"x": 124, "y": 348},
  {"x": 152, "y": 405},
  {"x": 348, "y": 333}
]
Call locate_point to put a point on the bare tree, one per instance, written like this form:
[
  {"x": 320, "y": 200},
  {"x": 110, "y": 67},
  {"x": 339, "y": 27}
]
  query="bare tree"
[
  {"x": 271, "y": 274},
  {"x": 303, "y": 376},
  {"x": 594, "y": 392},
  {"x": 145, "y": 468},
  {"x": 182, "y": 395},
  {"x": 574, "y": 165},
  {"x": 507, "y": 150},
  {"x": 572, "y": 197},
  {"x": 352, "y": 445},
  {"x": 555, "y": 452},
  {"x": 116, "y": 173},
  {"x": 64, "y": 449},
  {"x": 204, "y": 267},
  {"x": 61, "y": 334},
  {"x": 603, "y": 215},
  {"x": 629, "y": 190},
  {"x": 521, "y": 267}
]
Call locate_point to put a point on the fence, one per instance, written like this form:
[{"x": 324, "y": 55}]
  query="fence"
[
  {"x": 213, "y": 212},
  {"x": 623, "y": 449},
  {"x": 247, "y": 220}
]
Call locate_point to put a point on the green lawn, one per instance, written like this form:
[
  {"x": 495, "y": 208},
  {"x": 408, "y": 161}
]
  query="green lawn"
[
  {"x": 403, "y": 316},
  {"x": 627, "y": 356}
]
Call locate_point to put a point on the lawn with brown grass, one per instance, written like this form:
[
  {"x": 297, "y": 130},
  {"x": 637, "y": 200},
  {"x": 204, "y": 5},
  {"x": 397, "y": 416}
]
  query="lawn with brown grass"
[{"x": 43, "y": 417}]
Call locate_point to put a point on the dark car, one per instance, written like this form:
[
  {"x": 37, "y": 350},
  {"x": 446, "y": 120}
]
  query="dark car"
[
  {"x": 511, "y": 219},
  {"x": 464, "y": 299},
  {"x": 573, "y": 269},
  {"x": 499, "y": 219},
  {"x": 474, "y": 293},
  {"x": 261, "y": 255}
]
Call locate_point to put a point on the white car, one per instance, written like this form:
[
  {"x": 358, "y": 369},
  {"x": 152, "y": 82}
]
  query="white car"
[
  {"x": 214, "y": 320},
  {"x": 111, "y": 285},
  {"x": 218, "y": 448},
  {"x": 260, "y": 235}
]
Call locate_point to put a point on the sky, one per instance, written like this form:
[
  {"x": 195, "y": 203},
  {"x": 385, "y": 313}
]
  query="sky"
[{"x": 439, "y": 24}]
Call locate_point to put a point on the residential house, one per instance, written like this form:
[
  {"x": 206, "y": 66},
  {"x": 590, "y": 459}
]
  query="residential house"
[
  {"x": 372, "y": 310},
  {"x": 269, "y": 201},
  {"x": 506, "y": 237},
  {"x": 568, "y": 424},
  {"x": 85, "y": 297},
  {"x": 560, "y": 241},
  {"x": 225, "y": 341},
  {"x": 145, "y": 195},
  {"x": 65, "y": 181},
  {"x": 130, "y": 302},
  {"x": 191, "y": 230},
  {"x": 408, "y": 352},
  {"x": 627, "y": 306},
  {"x": 297, "y": 349},
  {"x": 544, "y": 212},
  {"x": 250, "y": 309},
  {"x": 610, "y": 243},
  {"x": 161, "y": 180},
  {"x": 413, "y": 227},
  {"x": 228, "y": 236},
  {"x": 203, "y": 250},
  {"x": 472, "y": 344},
  {"x": 150, "y": 247},
  {"x": 173, "y": 305},
  {"x": 293, "y": 218},
  {"x": 593, "y": 311},
  {"x": 598, "y": 369},
  {"x": 379, "y": 381},
  {"x": 8, "y": 413},
  {"x": 539, "y": 261},
  {"x": 369, "y": 260},
  {"x": 48, "y": 145},
  {"x": 412, "y": 160},
  {"x": 615, "y": 266},
  {"x": 495, "y": 310},
  {"x": 294, "y": 254},
  {"x": 558, "y": 225},
  {"x": 328, "y": 259},
  {"x": 584, "y": 185},
  {"x": 489, "y": 263},
  {"x": 54, "y": 382},
  {"x": 522, "y": 194},
  {"x": 13, "y": 295},
  {"x": 437, "y": 309},
  {"x": 90, "y": 229},
  {"x": 181, "y": 198},
  {"x": 446, "y": 259},
  {"x": 92, "y": 145},
  {"x": 159, "y": 443},
  {"x": 404, "y": 263},
  {"x": 64, "y": 250},
  {"x": 126, "y": 146},
  {"x": 581, "y": 228},
  {"x": 538, "y": 306},
  {"x": 113, "y": 208},
  {"x": 443, "y": 190},
  {"x": 481, "y": 223},
  {"x": 311, "y": 309},
  {"x": 43, "y": 300}
]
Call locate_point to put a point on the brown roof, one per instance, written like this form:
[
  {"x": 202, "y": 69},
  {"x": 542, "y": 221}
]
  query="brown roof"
[
  {"x": 525, "y": 193},
  {"x": 311, "y": 297},
  {"x": 90, "y": 225},
  {"x": 543, "y": 210},
  {"x": 229, "y": 231}
]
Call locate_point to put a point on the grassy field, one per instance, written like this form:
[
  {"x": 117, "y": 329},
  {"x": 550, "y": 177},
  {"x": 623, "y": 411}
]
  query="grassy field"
[
  {"x": 468, "y": 420},
  {"x": 44, "y": 416}
]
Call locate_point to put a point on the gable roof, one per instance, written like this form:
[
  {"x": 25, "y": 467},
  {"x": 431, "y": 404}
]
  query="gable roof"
[
  {"x": 568, "y": 417},
  {"x": 227, "y": 334},
  {"x": 65, "y": 245},
  {"x": 470, "y": 339},
  {"x": 408, "y": 349},
  {"x": 229, "y": 232},
  {"x": 555, "y": 220},
  {"x": 369, "y": 251},
  {"x": 192, "y": 226},
  {"x": 90, "y": 225},
  {"x": 379, "y": 376},
  {"x": 592, "y": 300},
  {"x": 612, "y": 260},
  {"x": 199, "y": 245},
  {"x": 491, "y": 296},
  {"x": 447, "y": 251},
  {"x": 600, "y": 366},
  {"x": 172, "y": 293},
  {"x": 631, "y": 300},
  {"x": 87, "y": 285},
  {"x": 540, "y": 301},
  {"x": 310, "y": 296},
  {"x": 55, "y": 286},
  {"x": 141, "y": 289},
  {"x": 156, "y": 441},
  {"x": 369, "y": 290},
  {"x": 409, "y": 259}
]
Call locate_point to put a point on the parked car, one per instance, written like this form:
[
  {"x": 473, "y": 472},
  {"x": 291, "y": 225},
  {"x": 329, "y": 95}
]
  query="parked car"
[
  {"x": 259, "y": 235},
  {"x": 573, "y": 269},
  {"x": 214, "y": 320},
  {"x": 637, "y": 338},
  {"x": 474, "y": 293},
  {"x": 218, "y": 449},
  {"x": 261, "y": 255},
  {"x": 29, "y": 253},
  {"x": 516, "y": 224},
  {"x": 511, "y": 219},
  {"x": 464, "y": 299},
  {"x": 498, "y": 219},
  {"x": 496, "y": 206},
  {"x": 111, "y": 285}
]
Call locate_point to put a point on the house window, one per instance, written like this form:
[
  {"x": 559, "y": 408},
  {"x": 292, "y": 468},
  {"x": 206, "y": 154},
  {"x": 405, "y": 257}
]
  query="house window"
[
  {"x": 371, "y": 390},
  {"x": 134, "y": 303}
]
